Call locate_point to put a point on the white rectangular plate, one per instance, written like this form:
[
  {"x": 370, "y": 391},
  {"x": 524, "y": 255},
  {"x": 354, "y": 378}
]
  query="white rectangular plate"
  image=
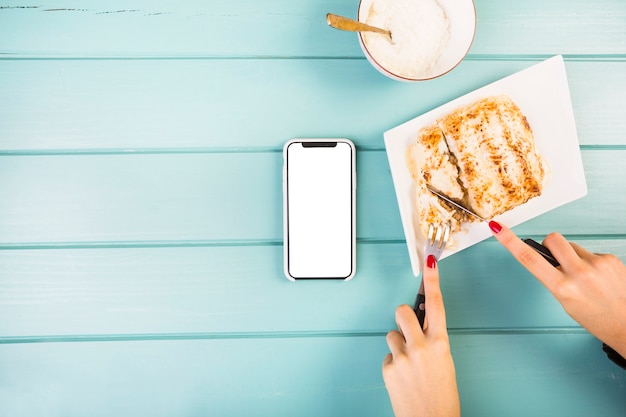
[{"x": 542, "y": 94}]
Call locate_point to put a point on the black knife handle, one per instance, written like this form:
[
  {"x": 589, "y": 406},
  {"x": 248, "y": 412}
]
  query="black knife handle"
[
  {"x": 420, "y": 300},
  {"x": 614, "y": 356},
  {"x": 543, "y": 251}
]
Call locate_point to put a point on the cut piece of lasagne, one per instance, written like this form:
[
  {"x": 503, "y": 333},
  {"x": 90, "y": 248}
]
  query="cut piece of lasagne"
[
  {"x": 431, "y": 163},
  {"x": 482, "y": 155},
  {"x": 494, "y": 146}
]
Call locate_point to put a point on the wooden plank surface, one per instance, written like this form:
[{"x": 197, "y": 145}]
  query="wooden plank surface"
[
  {"x": 190, "y": 105},
  {"x": 227, "y": 196},
  {"x": 340, "y": 376},
  {"x": 140, "y": 212},
  {"x": 210, "y": 290},
  {"x": 192, "y": 28}
]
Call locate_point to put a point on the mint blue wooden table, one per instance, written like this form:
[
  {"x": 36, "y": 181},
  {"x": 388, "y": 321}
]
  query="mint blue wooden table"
[{"x": 141, "y": 221}]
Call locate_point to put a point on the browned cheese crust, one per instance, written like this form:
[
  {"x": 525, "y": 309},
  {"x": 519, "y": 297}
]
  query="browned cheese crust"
[
  {"x": 494, "y": 146},
  {"x": 482, "y": 155}
]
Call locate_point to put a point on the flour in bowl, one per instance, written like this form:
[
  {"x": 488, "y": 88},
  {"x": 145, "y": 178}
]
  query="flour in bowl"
[{"x": 420, "y": 32}]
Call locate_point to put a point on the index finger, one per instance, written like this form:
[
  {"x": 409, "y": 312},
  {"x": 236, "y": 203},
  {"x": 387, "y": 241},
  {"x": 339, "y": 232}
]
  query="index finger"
[
  {"x": 531, "y": 260},
  {"x": 435, "y": 310}
]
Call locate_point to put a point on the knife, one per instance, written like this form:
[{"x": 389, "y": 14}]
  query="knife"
[{"x": 538, "y": 247}]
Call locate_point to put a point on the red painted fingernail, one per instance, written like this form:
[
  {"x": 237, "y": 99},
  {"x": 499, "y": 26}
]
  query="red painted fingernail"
[
  {"x": 431, "y": 262},
  {"x": 495, "y": 226}
]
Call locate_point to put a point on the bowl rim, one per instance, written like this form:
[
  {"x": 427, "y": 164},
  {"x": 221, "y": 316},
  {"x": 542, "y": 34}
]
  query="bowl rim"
[{"x": 391, "y": 74}]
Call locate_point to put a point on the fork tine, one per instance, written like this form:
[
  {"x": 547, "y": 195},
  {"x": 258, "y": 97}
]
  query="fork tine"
[
  {"x": 431, "y": 233},
  {"x": 438, "y": 237},
  {"x": 446, "y": 235}
]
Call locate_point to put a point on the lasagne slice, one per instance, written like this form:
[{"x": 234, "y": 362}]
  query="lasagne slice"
[{"x": 494, "y": 149}]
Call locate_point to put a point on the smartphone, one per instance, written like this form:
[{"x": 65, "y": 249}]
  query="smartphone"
[{"x": 319, "y": 195}]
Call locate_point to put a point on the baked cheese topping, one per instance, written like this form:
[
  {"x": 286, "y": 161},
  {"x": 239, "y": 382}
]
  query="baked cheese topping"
[{"x": 482, "y": 155}]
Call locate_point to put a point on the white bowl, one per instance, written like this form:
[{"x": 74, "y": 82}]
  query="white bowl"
[{"x": 461, "y": 16}]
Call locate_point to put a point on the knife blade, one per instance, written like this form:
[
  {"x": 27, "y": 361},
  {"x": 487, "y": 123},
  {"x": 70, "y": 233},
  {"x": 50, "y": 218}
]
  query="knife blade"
[
  {"x": 538, "y": 247},
  {"x": 454, "y": 203}
]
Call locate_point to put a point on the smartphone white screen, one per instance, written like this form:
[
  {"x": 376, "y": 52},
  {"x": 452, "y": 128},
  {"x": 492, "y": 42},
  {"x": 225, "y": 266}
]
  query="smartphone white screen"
[{"x": 319, "y": 210}]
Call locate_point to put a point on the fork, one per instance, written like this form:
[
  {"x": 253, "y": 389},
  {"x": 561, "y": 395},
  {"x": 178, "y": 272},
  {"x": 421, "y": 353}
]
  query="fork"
[{"x": 436, "y": 240}]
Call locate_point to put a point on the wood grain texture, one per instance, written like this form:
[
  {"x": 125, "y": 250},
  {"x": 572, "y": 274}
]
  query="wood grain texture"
[
  {"x": 563, "y": 374},
  {"x": 228, "y": 196},
  {"x": 223, "y": 290},
  {"x": 191, "y": 104},
  {"x": 192, "y": 28}
]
